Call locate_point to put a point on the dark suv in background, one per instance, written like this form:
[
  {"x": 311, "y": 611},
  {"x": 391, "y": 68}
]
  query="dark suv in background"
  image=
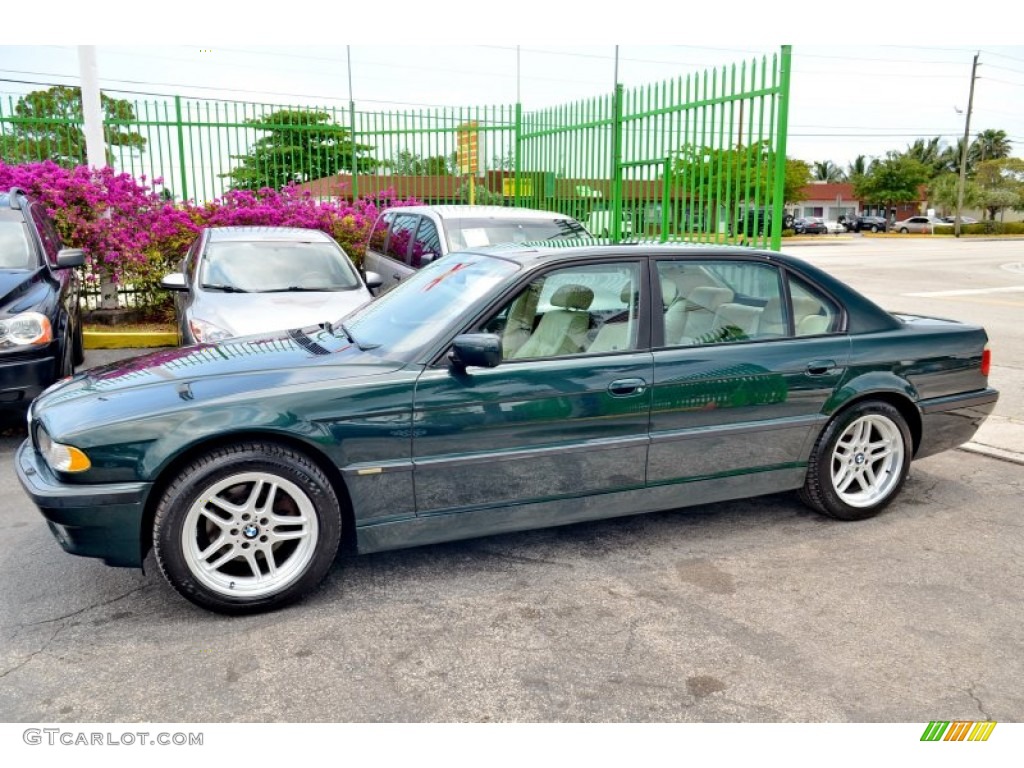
[
  {"x": 40, "y": 318},
  {"x": 870, "y": 224}
]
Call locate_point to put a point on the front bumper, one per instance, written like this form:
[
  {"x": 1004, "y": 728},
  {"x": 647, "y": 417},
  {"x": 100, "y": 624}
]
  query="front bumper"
[
  {"x": 102, "y": 521},
  {"x": 23, "y": 379},
  {"x": 947, "y": 422}
]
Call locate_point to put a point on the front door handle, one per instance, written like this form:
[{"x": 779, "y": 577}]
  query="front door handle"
[
  {"x": 627, "y": 387},
  {"x": 397, "y": 277},
  {"x": 820, "y": 367}
]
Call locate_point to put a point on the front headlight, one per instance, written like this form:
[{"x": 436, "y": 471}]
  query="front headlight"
[
  {"x": 27, "y": 328},
  {"x": 205, "y": 331},
  {"x": 63, "y": 458}
]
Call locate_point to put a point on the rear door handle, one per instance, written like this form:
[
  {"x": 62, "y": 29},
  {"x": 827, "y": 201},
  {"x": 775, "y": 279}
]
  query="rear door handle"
[
  {"x": 820, "y": 367},
  {"x": 627, "y": 387}
]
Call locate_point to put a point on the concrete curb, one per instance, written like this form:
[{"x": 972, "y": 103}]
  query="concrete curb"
[
  {"x": 128, "y": 340},
  {"x": 993, "y": 452}
]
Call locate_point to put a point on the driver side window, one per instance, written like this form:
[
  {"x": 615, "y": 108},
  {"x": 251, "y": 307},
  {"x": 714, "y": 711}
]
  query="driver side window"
[{"x": 587, "y": 309}]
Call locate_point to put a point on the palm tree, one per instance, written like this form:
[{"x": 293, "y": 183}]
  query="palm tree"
[
  {"x": 931, "y": 153},
  {"x": 858, "y": 168},
  {"x": 827, "y": 171},
  {"x": 990, "y": 145}
]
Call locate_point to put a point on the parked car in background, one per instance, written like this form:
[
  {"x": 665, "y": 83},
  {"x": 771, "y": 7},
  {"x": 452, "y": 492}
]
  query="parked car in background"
[
  {"x": 963, "y": 219},
  {"x": 599, "y": 223},
  {"x": 834, "y": 227},
  {"x": 919, "y": 225},
  {"x": 499, "y": 389},
  {"x": 870, "y": 224},
  {"x": 237, "y": 281},
  {"x": 409, "y": 238},
  {"x": 40, "y": 314},
  {"x": 809, "y": 226}
]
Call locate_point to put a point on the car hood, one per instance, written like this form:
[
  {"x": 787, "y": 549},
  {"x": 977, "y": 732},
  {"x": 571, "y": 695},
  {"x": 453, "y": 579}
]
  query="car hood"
[
  {"x": 16, "y": 290},
  {"x": 188, "y": 377},
  {"x": 247, "y": 313}
]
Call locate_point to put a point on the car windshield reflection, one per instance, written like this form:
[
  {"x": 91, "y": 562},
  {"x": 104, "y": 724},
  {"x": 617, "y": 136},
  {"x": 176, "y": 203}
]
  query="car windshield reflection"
[{"x": 402, "y": 321}]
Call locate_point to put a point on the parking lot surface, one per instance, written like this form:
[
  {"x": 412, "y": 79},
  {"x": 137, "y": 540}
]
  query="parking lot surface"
[{"x": 747, "y": 611}]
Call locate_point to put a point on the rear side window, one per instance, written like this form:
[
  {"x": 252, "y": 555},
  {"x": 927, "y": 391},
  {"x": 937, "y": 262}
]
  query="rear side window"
[
  {"x": 379, "y": 235},
  {"x": 813, "y": 312}
]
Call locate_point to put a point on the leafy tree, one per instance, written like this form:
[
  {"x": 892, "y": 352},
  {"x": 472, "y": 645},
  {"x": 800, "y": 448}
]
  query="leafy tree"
[
  {"x": 407, "y": 163},
  {"x": 896, "y": 179},
  {"x": 1001, "y": 183},
  {"x": 827, "y": 171},
  {"x": 798, "y": 174},
  {"x": 943, "y": 191},
  {"x": 47, "y": 125},
  {"x": 298, "y": 146}
]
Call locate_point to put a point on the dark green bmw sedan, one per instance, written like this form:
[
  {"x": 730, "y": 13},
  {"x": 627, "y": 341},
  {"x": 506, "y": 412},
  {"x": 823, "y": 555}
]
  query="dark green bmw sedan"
[{"x": 499, "y": 390}]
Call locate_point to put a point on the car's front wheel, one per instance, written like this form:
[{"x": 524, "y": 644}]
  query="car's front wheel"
[
  {"x": 246, "y": 528},
  {"x": 904, "y": 231},
  {"x": 874, "y": 228},
  {"x": 859, "y": 463}
]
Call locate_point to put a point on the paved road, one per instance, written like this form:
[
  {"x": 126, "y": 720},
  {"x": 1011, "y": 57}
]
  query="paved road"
[{"x": 747, "y": 611}]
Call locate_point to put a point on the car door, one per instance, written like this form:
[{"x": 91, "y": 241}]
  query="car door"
[
  {"x": 565, "y": 415},
  {"x": 745, "y": 357},
  {"x": 66, "y": 279}
]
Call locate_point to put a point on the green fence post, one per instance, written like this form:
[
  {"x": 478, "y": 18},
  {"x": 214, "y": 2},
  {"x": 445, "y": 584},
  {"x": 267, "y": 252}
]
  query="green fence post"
[
  {"x": 181, "y": 147},
  {"x": 779, "y": 191},
  {"x": 352, "y": 138},
  {"x": 518, "y": 150},
  {"x": 666, "y": 191},
  {"x": 616, "y": 232}
]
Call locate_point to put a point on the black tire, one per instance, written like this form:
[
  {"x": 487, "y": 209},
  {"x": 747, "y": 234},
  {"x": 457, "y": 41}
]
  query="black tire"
[
  {"x": 904, "y": 231},
  {"x": 78, "y": 356},
  {"x": 874, "y": 228},
  {"x": 820, "y": 491},
  {"x": 302, "y": 559}
]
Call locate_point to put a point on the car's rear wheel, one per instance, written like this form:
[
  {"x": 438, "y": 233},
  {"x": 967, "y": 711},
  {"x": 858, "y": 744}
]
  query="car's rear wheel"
[
  {"x": 874, "y": 228},
  {"x": 904, "y": 231},
  {"x": 859, "y": 463},
  {"x": 246, "y": 528}
]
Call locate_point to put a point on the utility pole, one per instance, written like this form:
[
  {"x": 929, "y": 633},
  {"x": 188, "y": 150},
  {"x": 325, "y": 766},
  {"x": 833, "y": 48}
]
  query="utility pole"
[
  {"x": 963, "y": 152},
  {"x": 92, "y": 110},
  {"x": 352, "y": 127}
]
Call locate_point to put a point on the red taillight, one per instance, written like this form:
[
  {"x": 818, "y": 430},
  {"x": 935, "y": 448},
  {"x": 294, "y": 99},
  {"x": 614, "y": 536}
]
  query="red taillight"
[{"x": 986, "y": 361}]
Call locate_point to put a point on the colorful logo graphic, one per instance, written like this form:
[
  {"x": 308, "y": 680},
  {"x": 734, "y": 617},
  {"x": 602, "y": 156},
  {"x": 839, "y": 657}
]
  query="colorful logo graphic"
[{"x": 958, "y": 730}]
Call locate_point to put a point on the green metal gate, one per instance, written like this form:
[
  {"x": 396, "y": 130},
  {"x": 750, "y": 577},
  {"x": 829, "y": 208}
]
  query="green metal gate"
[{"x": 699, "y": 158}]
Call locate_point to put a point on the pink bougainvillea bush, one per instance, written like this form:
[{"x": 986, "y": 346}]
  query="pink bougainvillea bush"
[{"x": 131, "y": 234}]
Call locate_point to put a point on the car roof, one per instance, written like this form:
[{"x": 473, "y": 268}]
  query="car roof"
[
  {"x": 466, "y": 211},
  {"x": 275, "y": 234}
]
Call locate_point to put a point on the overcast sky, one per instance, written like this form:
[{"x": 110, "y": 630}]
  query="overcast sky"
[{"x": 847, "y": 98}]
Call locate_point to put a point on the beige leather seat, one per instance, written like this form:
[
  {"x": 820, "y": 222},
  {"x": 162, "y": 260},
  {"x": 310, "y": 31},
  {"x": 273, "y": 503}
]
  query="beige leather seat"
[
  {"x": 617, "y": 336},
  {"x": 812, "y": 325},
  {"x": 700, "y": 308},
  {"x": 562, "y": 331},
  {"x": 737, "y": 321},
  {"x": 773, "y": 323},
  {"x": 519, "y": 325}
]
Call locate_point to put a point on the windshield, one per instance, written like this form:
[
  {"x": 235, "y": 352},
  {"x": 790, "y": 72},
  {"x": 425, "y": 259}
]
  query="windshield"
[
  {"x": 478, "y": 232},
  {"x": 14, "y": 248},
  {"x": 411, "y": 315},
  {"x": 263, "y": 267}
]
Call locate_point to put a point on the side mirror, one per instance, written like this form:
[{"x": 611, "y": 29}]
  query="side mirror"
[
  {"x": 482, "y": 350},
  {"x": 174, "y": 282},
  {"x": 373, "y": 281},
  {"x": 70, "y": 257},
  {"x": 427, "y": 258}
]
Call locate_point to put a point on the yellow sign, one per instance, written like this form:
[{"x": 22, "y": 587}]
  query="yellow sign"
[
  {"x": 467, "y": 153},
  {"x": 508, "y": 187}
]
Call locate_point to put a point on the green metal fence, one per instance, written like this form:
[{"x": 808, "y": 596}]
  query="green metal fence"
[{"x": 697, "y": 158}]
